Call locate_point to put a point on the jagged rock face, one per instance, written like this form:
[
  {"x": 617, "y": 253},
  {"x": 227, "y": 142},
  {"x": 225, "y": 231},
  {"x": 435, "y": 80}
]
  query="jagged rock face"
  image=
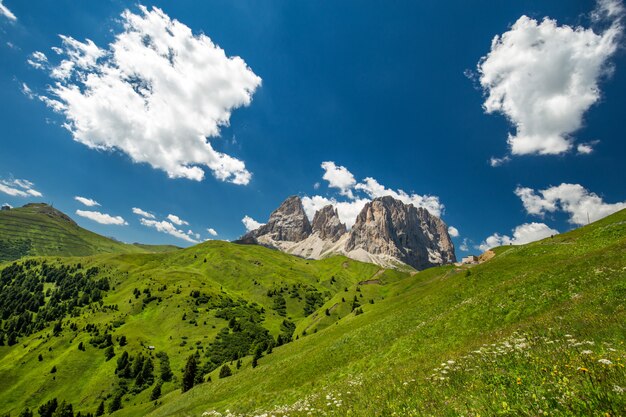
[
  {"x": 387, "y": 232},
  {"x": 412, "y": 235},
  {"x": 326, "y": 224},
  {"x": 287, "y": 223}
]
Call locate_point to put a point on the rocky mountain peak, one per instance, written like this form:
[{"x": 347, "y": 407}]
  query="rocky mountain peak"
[
  {"x": 386, "y": 226},
  {"x": 287, "y": 223},
  {"x": 326, "y": 224}
]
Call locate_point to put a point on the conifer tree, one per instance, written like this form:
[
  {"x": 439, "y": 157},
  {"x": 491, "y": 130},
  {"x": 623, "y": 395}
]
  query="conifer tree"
[{"x": 189, "y": 376}]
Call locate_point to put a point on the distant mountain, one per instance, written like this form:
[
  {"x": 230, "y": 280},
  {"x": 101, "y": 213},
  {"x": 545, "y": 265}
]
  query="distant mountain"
[
  {"x": 41, "y": 230},
  {"x": 387, "y": 232}
]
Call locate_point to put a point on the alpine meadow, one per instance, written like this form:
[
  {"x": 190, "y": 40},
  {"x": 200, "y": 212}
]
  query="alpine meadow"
[{"x": 283, "y": 209}]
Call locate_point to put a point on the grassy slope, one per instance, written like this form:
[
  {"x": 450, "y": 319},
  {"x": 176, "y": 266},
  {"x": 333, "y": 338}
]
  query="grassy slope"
[
  {"x": 518, "y": 329},
  {"x": 229, "y": 268},
  {"x": 544, "y": 306},
  {"x": 43, "y": 231}
]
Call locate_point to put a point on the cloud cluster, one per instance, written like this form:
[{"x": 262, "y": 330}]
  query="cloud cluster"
[
  {"x": 543, "y": 77},
  {"x": 177, "y": 220},
  {"x": 211, "y": 231},
  {"x": 524, "y": 233},
  {"x": 250, "y": 223},
  {"x": 167, "y": 226},
  {"x": 4, "y": 11},
  {"x": 86, "y": 201},
  {"x": 580, "y": 204},
  {"x": 156, "y": 93},
  {"x": 339, "y": 177},
  {"x": 142, "y": 213},
  {"x": 102, "y": 218},
  {"x": 19, "y": 188}
]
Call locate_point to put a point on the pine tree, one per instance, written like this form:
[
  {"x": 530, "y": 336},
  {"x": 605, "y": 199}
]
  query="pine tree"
[
  {"x": 109, "y": 353},
  {"x": 100, "y": 410},
  {"x": 64, "y": 410},
  {"x": 225, "y": 372},
  {"x": 26, "y": 413},
  {"x": 189, "y": 376},
  {"x": 116, "y": 403},
  {"x": 156, "y": 391}
]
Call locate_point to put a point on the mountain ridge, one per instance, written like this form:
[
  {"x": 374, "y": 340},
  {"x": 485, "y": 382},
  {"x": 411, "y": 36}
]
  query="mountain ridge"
[{"x": 387, "y": 232}]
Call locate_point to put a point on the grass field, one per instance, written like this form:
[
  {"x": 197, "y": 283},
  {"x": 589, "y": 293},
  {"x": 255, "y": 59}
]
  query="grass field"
[
  {"x": 39, "y": 229},
  {"x": 537, "y": 330}
]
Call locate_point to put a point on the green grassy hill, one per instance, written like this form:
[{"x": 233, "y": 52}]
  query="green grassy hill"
[
  {"x": 41, "y": 230},
  {"x": 537, "y": 330}
]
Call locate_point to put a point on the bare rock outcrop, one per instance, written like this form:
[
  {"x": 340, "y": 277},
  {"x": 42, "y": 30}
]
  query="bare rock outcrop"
[
  {"x": 387, "y": 232},
  {"x": 387, "y": 226},
  {"x": 326, "y": 224}
]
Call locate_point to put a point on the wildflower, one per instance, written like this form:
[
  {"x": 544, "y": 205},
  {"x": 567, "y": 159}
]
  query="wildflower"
[
  {"x": 583, "y": 369},
  {"x": 618, "y": 389},
  {"x": 605, "y": 362},
  {"x": 586, "y": 352}
]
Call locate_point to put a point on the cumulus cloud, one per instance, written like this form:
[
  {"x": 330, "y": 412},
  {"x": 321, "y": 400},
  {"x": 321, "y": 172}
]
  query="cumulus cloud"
[
  {"x": 373, "y": 189},
  {"x": 27, "y": 91},
  {"x": 211, "y": 231},
  {"x": 543, "y": 77},
  {"x": 156, "y": 93},
  {"x": 167, "y": 227},
  {"x": 580, "y": 204},
  {"x": 250, "y": 223},
  {"x": 346, "y": 210},
  {"x": 342, "y": 179},
  {"x": 86, "y": 201},
  {"x": 339, "y": 177},
  {"x": 465, "y": 245},
  {"x": 4, "y": 11},
  {"x": 38, "y": 60},
  {"x": 142, "y": 213},
  {"x": 453, "y": 231},
  {"x": 102, "y": 218},
  {"x": 19, "y": 188},
  {"x": 524, "y": 233},
  {"x": 177, "y": 220}
]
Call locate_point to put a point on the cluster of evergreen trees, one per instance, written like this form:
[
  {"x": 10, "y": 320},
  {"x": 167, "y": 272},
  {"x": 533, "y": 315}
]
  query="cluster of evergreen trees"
[{"x": 23, "y": 305}]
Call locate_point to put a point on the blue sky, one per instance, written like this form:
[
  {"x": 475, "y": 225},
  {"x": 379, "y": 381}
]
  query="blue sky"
[{"x": 392, "y": 96}]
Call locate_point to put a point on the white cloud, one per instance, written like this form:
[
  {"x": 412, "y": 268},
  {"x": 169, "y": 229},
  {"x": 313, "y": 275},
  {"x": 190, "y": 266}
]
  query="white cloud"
[
  {"x": 453, "y": 231},
  {"x": 102, "y": 218},
  {"x": 339, "y": 177},
  {"x": 86, "y": 201},
  {"x": 142, "y": 213},
  {"x": 346, "y": 210},
  {"x": 19, "y": 188},
  {"x": 167, "y": 227},
  {"x": 211, "y": 231},
  {"x": 584, "y": 148},
  {"x": 38, "y": 60},
  {"x": 156, "y": 94},
  {"x": 573, "y": 199},
  {"x": 525, "y": 233},
  {"x": 465, "y": 245},
  {"x": 177, "y": 220},
  {"x": 6, "y": 12},
  {"x": 373, "y": 189},
  {"x": 250, "y": 223},
  {"x": 496, "y": 162},
  {"x": 27, "y": 91},
  {"x": 543, "y": 77}
]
